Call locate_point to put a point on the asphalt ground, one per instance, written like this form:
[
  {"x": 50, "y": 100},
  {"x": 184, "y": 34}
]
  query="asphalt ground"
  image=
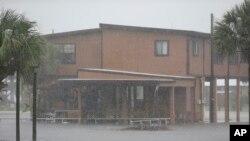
[{"x": 83, "y": 132}]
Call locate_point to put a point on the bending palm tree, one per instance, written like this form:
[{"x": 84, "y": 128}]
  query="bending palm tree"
[
  {"x": 21, "y": 47},
  {"x": 232, "y": 34}
]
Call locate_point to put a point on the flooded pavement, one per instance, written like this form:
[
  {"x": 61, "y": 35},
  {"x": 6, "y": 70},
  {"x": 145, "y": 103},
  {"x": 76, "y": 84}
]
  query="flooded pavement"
[{"x": 81, "y": 132}]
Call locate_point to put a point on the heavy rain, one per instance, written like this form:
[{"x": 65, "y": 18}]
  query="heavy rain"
[{"x": 123, "y": 70}]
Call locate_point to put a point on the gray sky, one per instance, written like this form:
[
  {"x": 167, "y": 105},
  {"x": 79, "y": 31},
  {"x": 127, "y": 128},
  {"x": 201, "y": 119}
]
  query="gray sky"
[{"x": 68, "y": 15}]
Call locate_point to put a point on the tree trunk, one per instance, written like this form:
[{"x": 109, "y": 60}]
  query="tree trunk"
[{"x": 249, "y": 88}]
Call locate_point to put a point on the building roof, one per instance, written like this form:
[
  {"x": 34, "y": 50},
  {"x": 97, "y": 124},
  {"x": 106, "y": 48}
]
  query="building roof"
[
  {"x": 129, "y": 28},
  {"x": 150, "y": 29},
  {"x": 73, "y": 33}
]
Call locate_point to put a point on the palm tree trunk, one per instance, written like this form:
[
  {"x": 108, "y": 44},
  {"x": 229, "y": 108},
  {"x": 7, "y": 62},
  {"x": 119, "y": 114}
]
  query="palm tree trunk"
[
  {"x": 18, "y": 104},
  {"x": 248, "y": 88}
]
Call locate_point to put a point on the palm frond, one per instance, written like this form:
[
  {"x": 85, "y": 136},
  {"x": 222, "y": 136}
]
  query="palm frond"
[
  {"x": 20, "y": 44},
  {"x": 232, "y": 33}
]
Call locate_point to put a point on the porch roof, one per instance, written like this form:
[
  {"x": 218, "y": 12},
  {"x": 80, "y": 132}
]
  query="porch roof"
[
  {"x": 143, "y": 75},
  {"x": 115, "y": 81}
]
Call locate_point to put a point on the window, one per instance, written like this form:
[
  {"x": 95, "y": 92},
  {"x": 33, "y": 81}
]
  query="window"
[
  {"x": 139, "y": 98},
  {"x": 195, "y": 48},
  {"x": 67, "y": 53},
  {"x": 218, "y": 58},
  {"x": 139, "y": 93},
  {"x": 233, "y": 59},
  {"x": 243, "y": 59},
  {"x": 161, "y": 48}
]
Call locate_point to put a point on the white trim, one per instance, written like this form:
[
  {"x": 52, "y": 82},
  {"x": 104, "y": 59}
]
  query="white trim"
[
  {"x": 137, "y": 73},
  {"x": 76, "y": 79}
]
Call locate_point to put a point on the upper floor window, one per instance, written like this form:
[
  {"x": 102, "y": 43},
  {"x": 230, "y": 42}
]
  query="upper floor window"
[
  {"x": 161, "y": 48},
  {"x": 195, "y": 48},
  {"x": 67, "y": 53},
  {"x": 243, "y": 59},
  {"x": 233, "y": 59},
  {"x": 218, "y": 58}
]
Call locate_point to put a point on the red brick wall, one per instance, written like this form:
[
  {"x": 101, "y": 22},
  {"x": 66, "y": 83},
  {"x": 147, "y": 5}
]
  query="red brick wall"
[
  {"x": 88, "y": 52},
  {"x": 200, "y": 65},
  {"x": 134, "y": 51}
]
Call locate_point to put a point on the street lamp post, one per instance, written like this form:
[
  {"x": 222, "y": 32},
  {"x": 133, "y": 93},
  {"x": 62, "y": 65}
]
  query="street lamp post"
[
  {"x": 34, "y": 104},
  {"x": 18, "y": 103}
]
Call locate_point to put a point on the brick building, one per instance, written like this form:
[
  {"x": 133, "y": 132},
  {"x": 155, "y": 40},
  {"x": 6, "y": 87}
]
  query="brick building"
[{"x": 119, "y": 71}]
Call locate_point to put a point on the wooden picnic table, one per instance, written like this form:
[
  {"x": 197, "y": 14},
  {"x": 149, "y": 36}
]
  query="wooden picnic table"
[
  {"x": 137, "y": 122},
  {"x": 149, "y": 122}
]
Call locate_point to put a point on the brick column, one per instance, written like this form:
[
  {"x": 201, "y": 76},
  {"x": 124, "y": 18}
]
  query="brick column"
[
  {"x": 188, "y": 104},
  {"x": 188, "y": 99},
  {"x": 202, "y": 98},
  {"x": 172, "y": 106},
  {"x": 238, "y": 100},
  {"x": 124, "y": 103}
]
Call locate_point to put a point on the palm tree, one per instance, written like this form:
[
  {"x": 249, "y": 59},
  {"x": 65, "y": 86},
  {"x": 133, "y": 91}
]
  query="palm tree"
[
  {"x": 21, "y": 47},
  {"x": 232, "y": 34}
]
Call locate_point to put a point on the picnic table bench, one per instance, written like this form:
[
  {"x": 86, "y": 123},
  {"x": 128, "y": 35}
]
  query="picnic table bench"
[
  {"x": 144, "y": 123},
  {"x": 141, "y": 123}
]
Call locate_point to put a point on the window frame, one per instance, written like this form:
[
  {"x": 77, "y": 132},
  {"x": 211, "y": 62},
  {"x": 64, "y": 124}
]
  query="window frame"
[
  {"x": 195, "y": 48},
  {"x": 233, "y": 59},
  {"x": 243, "y": 59},
  {"x": 139, "y": 93},
  {"x": 61, "y": 47},
  {"x": 161, "y": 41},
  {"x": 218, "y": 58}
]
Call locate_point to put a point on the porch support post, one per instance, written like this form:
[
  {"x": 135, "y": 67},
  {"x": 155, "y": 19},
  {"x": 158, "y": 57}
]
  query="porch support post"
[
  {"x": 172, "y": 105},
  {"x": 117, "y": 101},
  {"x": 80, "y": 106},
  {"x": 202, "y": 98},
  {"x": 124, "y": 104},
  {"x": 238, "y": 100},
  {"x": 226, "y": 99},
  {"x": 215, "y": 100},
  {"x": 188, "y": 99},
  {"x": 188, "y": 103}
]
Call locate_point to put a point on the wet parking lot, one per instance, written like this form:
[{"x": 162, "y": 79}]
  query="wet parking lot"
[{"x": 80, "y": 132}]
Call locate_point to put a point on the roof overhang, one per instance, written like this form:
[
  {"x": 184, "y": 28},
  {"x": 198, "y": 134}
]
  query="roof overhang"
[
  {"x": 114, "y": 81},
  {"x": 135, "y": 74}
]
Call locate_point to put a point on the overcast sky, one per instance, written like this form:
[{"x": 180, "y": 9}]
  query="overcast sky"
[{"x": 68, "y": 15}]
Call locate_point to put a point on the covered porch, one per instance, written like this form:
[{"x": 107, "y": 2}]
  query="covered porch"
[{"x": 123, "y": 96}]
